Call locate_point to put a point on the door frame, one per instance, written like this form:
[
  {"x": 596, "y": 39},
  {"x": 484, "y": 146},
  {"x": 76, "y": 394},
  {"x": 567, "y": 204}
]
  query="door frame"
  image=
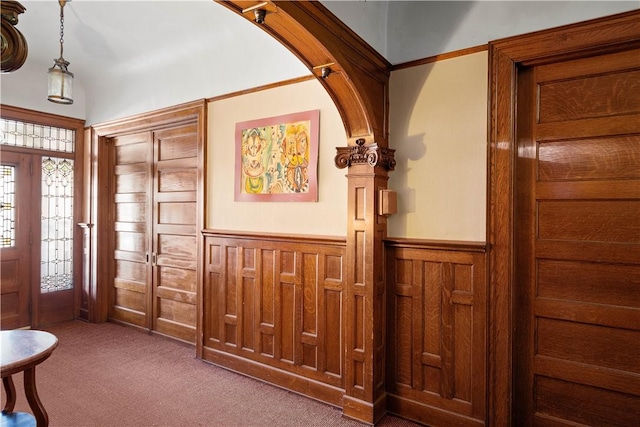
[
  {"x": 100, "y": 217},
  {"x": 506, "y": 56},
  {"x": 46, "y": 119}
]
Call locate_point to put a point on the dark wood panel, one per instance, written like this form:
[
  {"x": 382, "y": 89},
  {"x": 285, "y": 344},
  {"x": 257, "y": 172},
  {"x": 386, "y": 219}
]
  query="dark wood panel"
[
  {"x": 598, "y": 283},
  {"x": 601, "y": 221},
  {"x": 577, "y": 233},
  {"x": 571, "y": 401},
  {"x": 436, "y": 330},
  {"x": 590, "y": 344},
  {"x": 589, "y": 128},
  {"x": 511, "y": 108},
  {"x": 591, "y": 96},
  {"x": 279, "y": 304},
  {"x": 614, "y": 157}
]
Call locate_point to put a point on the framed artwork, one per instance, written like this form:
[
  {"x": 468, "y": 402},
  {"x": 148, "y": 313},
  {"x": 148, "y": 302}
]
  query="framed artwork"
[{"x": 277, "y": 158}]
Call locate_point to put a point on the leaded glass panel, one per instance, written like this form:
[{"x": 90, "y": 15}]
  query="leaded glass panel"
[
  {"x": 40, "y": 137},
  {"x": 57, "y": 225},
  {"x": 8, "y": 205}
]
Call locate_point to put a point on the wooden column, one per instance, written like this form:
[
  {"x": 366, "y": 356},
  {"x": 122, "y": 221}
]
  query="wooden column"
[{"x": 364, "y": 323}]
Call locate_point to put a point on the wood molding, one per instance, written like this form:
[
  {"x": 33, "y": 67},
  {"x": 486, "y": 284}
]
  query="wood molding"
[
  {"x": 24, "y": 114},
  {"x": 441, "y": 245},
  {"x": 441, "y": 57},
  {"x": 261, "y": 88},
  {"x": 584, "y": 39},
  {"x": 151, "y": 120},
  {"x": 275, "y": 237},
  {"x": 359, "y": 78}
]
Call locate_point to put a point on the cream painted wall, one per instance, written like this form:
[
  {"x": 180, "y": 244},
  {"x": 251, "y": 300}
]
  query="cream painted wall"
[
  {"x": 327, "y": 216},
  {"x": 438, "y": 127}
]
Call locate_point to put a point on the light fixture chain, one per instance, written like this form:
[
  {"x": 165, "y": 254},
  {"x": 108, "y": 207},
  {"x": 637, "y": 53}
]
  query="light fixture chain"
[{"x": 61, "y": 27}]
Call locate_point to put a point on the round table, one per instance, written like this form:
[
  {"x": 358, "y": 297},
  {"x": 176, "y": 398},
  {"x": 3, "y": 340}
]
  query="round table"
[{"x": 21, "y": 351}]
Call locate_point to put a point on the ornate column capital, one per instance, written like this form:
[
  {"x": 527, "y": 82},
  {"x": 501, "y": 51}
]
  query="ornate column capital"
[{"x": 362, "y": 153}]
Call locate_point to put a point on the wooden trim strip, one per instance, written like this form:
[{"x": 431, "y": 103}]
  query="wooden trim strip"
[
  {"x": 442, "y": 245},
  {"x": 441, "y": 57},
  {"x": 274, "y": 237},
  {"x": 261, "y": 88}
]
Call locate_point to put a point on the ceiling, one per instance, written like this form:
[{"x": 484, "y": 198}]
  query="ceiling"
[{"x": 134, "y": 56}]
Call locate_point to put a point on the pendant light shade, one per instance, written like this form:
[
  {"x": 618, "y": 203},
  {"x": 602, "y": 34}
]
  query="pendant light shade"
[
  {"x": 60, "y": 83},
  {"x": 60, "y": 79}
]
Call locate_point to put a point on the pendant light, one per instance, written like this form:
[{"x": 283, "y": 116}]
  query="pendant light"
[{"x": 60, "y": 79}]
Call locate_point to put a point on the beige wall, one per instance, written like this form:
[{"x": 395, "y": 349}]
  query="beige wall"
[
  {"x": 438, "y": 127},
  {"x": 327, "y": 216}
]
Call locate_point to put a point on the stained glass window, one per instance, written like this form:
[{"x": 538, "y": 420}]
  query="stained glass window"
[
  {"x": 40, "y": 137},
  {"x": 57, "y": 225},
  {"x": 7, "y": 205}
]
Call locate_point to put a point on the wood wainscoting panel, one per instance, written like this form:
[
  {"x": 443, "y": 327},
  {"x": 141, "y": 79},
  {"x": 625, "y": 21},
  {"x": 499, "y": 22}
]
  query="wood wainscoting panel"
[
  {"x": 273, "y": 309},
  {"x": 436, "y": 332}
]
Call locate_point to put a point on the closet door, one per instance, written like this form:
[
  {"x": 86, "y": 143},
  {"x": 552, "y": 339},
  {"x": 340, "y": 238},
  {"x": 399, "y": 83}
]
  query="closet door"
[
  {"x": 174, "y": 255},
  {"x": 131, "y": 203}
]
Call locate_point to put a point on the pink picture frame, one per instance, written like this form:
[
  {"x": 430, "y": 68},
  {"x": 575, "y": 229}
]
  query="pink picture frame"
[{"x": 276, "y": 158}]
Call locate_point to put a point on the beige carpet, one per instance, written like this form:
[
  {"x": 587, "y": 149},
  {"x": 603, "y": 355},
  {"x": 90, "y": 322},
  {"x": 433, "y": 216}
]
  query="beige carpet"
[{"x": 111, "y": 375}]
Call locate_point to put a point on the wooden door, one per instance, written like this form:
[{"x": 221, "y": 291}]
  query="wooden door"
[
  {"x": 175, "y": 208},
  {"x": 155, "y": 248},
  {"x": 15, "y": 248},
  {"x": 577, "y": 243},
  {"x": 130, "y": 295}
]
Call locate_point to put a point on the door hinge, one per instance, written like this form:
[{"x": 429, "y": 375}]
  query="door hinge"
[
  {"x": 30, "y": 237},
  {"x": 31, "y": 167},
  {"x": 30, "y": 308}
]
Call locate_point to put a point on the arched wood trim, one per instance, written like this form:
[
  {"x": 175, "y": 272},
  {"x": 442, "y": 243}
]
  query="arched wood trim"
[
  {"x": 359, "y": 78},
  {"x": 505, "y": 57}
]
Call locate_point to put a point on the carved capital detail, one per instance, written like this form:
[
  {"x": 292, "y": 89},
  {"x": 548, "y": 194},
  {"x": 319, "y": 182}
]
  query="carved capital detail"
[{"x": 370, "y": 154}]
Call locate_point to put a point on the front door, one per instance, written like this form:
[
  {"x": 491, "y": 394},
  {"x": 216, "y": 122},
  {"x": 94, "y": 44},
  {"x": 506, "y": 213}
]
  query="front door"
[
  {"x": 577, "y": 243},
  {"x": 15, "y": 249},
  {"x": 37, "y": 243}
]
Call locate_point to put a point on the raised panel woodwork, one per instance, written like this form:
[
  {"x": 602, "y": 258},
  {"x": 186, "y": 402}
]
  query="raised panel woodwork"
[
  {"x": 155, "y": 213},
  {"x": 436, "y": 329},
  {"x": 130, "y": 291},
  {"x": 602, "y": 158},
  {"x": 577, "y": 241},
  {"x": 589, "y": 282},
  {"x": 557, "y": 399},
  {"x": 277, "y": 303},
  {"x": 509, "y": 60},
  {"x": 590, "y": 220},
  {"x": 600, "y": 95}
]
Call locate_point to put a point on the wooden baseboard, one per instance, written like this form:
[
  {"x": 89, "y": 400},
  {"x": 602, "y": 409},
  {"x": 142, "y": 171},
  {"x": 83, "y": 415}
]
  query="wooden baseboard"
[
  {"x": 287, "y": 380},
  {"x": 427, "y": 414}
]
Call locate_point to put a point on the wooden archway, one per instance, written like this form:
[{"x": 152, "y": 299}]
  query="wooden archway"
[{"x": 357, "y": 78}]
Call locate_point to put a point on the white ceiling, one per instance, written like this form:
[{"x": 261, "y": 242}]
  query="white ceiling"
[{"x": 135, "y": 56}]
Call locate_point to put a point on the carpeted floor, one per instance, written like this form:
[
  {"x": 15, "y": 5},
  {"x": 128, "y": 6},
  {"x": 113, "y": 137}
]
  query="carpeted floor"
[{"x": 110, "y": 375}]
